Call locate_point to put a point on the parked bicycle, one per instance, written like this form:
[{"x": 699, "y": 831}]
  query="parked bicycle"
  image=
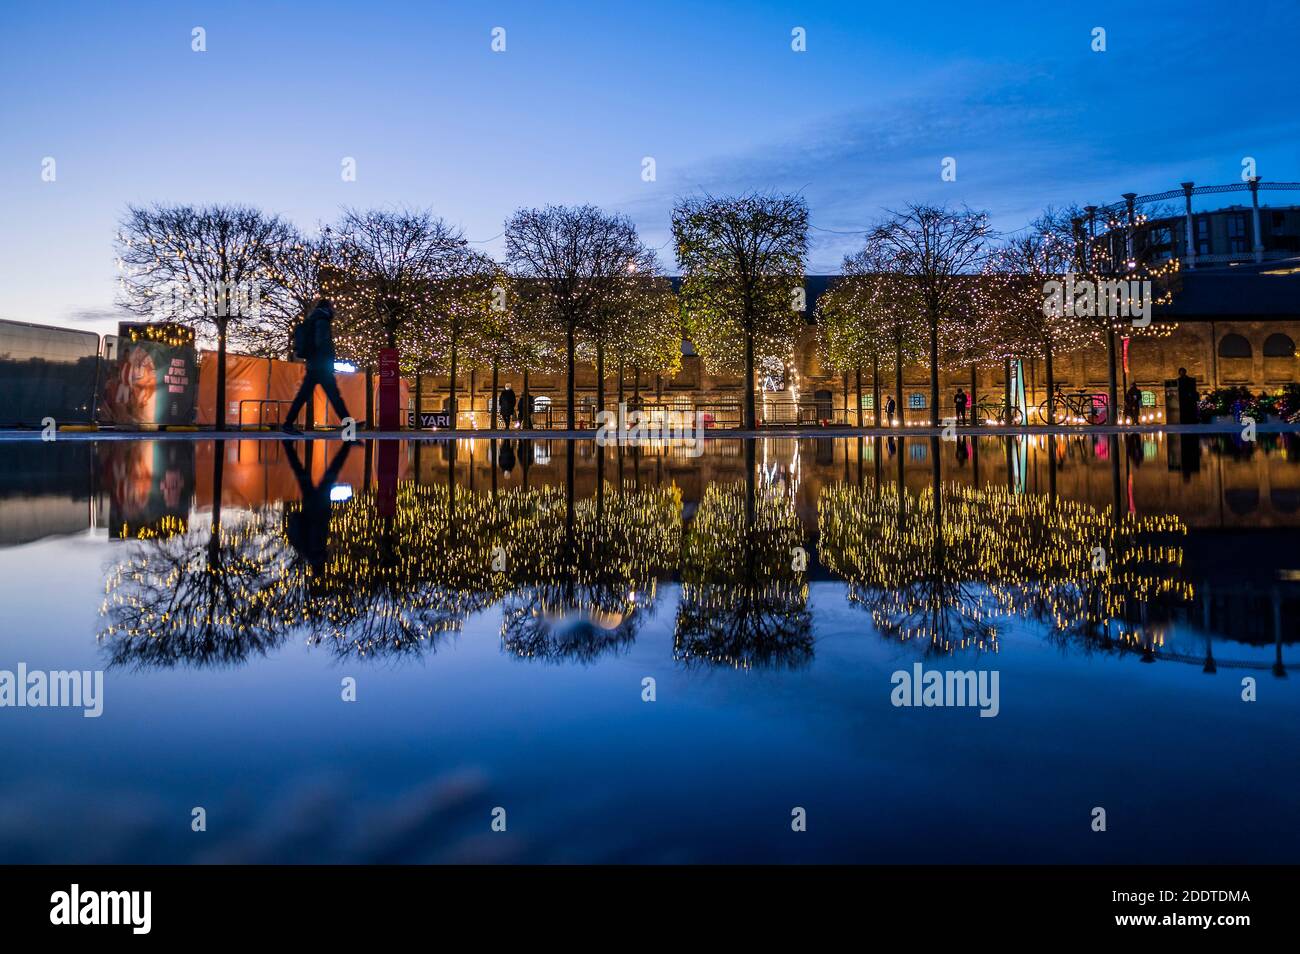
[
  {"x": 1075, "y": 407},
  {"x": 997, "y": 412}
]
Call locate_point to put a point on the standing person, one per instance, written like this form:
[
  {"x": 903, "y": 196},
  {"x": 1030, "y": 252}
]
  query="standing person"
[
  {"x": 506, "y": 405},
  {"x": 313, "y": 340},
  {"x": 890, "y": 407},
  {"x": 526, "y": 410},
  {"x": 1133, "y": 403},
  {"x": 961, "y": 402}
]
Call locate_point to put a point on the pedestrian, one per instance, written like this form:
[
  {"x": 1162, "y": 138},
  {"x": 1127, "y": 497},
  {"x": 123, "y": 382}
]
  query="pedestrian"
[
  {"x": 961, "y": 401},
  {"x": 1133, "y": 403},
  {"x": 506, "y": 405},
  {"x": 313, "y": 341},
  {"x": 890, "y": 407}
]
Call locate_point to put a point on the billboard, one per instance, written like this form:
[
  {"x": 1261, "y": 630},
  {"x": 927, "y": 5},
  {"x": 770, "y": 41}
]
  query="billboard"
[{"x": 154, "y": 378}]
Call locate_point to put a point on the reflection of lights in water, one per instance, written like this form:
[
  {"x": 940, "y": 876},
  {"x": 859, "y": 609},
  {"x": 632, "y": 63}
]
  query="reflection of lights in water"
[{"x": 340, "y": 492}]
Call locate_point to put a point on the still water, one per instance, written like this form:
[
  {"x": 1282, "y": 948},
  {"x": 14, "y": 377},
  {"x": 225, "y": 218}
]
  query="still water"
[{"x": 643, "y": 656}]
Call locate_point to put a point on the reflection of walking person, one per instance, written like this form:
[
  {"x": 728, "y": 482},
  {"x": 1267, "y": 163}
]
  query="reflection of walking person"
[
  {"x": 308, "y": 529},
  {"x": 506, "y": 457},
  {"x": 313, "y": 340},
  {"x": 506, "y": 405}
]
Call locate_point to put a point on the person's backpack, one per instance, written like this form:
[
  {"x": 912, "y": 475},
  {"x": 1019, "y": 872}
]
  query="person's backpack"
[{"x": 304, "y": 341}]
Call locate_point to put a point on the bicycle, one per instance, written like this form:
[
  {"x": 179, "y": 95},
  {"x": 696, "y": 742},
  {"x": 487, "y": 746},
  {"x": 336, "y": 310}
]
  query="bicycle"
[
  {"x": 997, "y": 413},
  {"x": 1077, "y": 407}
]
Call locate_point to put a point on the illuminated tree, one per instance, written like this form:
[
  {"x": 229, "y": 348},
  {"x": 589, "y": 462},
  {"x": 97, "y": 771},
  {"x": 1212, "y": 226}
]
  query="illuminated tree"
[
  {"x": 1019, "y": 271},
  {"x": 300, "y": 270},
  {"x": 391, "y": 265},
  {"x": 932, "y": 249},
  {"x": 570, "y": 259},
  {"x": 742, "y": 261},
  {"x": 203, "y": 266},
  {"x": 646, "y": 330}
]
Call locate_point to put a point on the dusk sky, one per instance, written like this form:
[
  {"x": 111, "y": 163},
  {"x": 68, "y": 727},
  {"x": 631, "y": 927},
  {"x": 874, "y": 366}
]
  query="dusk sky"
[{"x": 713, "y": 92}]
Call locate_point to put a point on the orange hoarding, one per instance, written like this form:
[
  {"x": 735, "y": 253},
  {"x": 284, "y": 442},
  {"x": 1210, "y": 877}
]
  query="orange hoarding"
[{"x": 251, "y": 381}]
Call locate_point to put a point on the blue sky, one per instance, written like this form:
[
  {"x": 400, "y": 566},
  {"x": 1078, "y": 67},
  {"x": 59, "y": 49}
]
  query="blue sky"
[{"x": 858, "y": 123}]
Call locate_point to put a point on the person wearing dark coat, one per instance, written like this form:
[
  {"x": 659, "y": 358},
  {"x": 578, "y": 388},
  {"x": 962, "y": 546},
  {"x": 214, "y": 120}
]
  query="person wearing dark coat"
[
  {"x": 506, "y": 405},
  {"x": 318, "y": 335}
]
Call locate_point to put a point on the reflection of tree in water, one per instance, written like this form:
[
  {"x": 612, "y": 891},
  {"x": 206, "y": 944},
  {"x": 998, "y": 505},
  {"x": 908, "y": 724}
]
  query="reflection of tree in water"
[
  {"x": 584, "y": 572},
  {"x": 743, "y": 602},
  {"x": 399, "y": 579},
  {"x": 945, "y": 574},
  {"x": 916, "y": 563},
  {"x": 209, "y": 596}
]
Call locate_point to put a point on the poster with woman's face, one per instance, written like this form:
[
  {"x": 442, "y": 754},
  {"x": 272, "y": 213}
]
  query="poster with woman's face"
[{"x": 152, "y": 383}]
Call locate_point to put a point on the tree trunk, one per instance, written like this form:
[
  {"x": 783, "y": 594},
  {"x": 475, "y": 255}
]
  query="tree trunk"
[
  {"x": 875, "y": 385},
  {"x": 451, "y": 389},
  {"x": 845, "y": 380},
  {"x": 751, "y": 410},
  {"x": 1111, "y": 416},
  {"x": 636, "y": 385},
  {"x": 492, "y": 398},
  {"x": 419, "y": 405},
  {"x": 934, "y": 372},
  {"x": 621, "y": 401},
  {"x": 858, "y": 375},
  {"x": 370, "y": 397},
  {"x": 1051, "y": 388},
  {"x": 529, "y": 422},
  {"x": 220, "y": 424},
  {"x": 972, "y": 403},
  {"x": 473, "y": 382},
  {"x": 600, "y": 376},
  {"x": 1006, "y": 390},
  {"x": 898, "y": 383},
  {"x": 572, "y": 419}
]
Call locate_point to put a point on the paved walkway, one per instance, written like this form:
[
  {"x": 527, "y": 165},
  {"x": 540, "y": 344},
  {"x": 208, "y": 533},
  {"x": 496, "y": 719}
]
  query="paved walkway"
[{"x": 713, "y": 433}]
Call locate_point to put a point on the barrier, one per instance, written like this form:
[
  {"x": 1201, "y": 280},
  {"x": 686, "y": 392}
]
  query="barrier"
[{"x": 47, "y": 372}]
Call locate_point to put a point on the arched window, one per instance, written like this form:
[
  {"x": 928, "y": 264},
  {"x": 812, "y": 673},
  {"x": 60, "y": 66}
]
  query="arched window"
[
  {"x": 1279, "y": 346},
  {"x": 1234, "y": 346}
]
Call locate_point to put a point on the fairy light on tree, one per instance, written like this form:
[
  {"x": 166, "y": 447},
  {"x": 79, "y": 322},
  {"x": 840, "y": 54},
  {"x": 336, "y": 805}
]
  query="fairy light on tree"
[
  {"x": 203, "y": 266},
  {"x": 569, "y": 260},
  {"x": 742, "y": 261},
  {"x": 645, "y": 330},
  {"x": 933, "y": 249},
  {"x": 744, "y": 599}
]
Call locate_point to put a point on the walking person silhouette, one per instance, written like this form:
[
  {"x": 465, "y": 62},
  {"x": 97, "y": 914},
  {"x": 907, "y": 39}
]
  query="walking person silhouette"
[
  {"x": 313, "y": 340},
  {"x": 308, "y": 529}
]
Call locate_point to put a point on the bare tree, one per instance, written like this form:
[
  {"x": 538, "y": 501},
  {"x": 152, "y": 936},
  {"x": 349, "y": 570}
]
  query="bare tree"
[
  {"x": 570, "y": 258},
  {"x": 201, "y": 265},
  {"x": 742, "y": 259},
  {"x": 392, "y": 261},
  {"x": 300, "y": 270},
  {"x": 933, "y": 248}
]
